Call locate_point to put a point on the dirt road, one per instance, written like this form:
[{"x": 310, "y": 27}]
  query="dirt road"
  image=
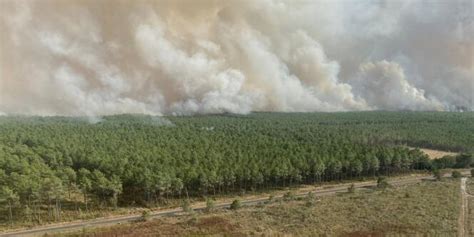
[
  {"x": 464, "y": 211},
  {"x": 100, "y": 222}
]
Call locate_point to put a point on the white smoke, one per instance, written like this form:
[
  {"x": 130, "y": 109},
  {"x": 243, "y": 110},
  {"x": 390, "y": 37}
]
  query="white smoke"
[
  {"x": 384, "y": 85},
  {"x": 184, "y": 57}
]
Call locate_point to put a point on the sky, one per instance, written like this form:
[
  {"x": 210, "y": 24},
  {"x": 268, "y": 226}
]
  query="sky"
[{"x": 184, "y": 57}]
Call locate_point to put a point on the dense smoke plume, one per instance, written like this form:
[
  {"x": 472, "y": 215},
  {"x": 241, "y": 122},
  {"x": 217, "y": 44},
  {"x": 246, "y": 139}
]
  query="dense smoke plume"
[{"x": 88, "y": 57}]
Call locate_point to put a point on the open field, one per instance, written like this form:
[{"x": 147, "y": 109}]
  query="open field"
[{"x": 426, "y": 208}]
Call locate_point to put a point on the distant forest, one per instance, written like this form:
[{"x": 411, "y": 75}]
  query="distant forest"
[{"x": 137, "y": 160}]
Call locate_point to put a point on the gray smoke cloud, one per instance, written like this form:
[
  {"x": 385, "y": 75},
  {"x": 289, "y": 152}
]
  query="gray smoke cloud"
[{"x": 85, "y": 57}]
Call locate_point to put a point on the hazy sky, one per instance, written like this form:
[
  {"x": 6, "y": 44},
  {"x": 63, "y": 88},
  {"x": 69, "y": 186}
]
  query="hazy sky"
[{"x": 95, "y": 57}]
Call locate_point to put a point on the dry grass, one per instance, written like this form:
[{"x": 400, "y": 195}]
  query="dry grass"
[{"x": 429, "y": 208}]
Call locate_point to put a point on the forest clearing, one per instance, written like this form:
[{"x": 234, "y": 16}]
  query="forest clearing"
[{"x": 436, "y": 154}]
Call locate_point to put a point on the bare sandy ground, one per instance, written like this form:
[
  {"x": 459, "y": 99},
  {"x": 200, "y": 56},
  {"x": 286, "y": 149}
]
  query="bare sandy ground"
[{"x": 436, "y": 154}]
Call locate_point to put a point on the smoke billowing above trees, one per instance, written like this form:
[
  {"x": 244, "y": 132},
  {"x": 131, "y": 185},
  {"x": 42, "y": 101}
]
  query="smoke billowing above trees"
[{"x": 184, "y": 57}]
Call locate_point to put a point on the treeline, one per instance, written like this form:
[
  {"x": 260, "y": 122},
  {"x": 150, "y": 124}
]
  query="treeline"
[{"x": 143, "y": 160}]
